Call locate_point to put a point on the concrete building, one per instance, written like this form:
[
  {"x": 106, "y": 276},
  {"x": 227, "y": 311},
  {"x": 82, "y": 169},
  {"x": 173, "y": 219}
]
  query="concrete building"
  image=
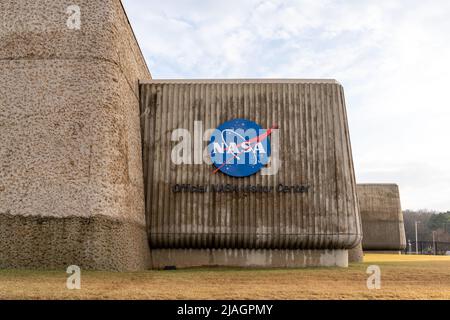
[
  {"x": 71, "y": 185},
  {"x": 76, "y": 146},
  {"x": 279, "y": 229},
  {"x": 382, "y": 220}
]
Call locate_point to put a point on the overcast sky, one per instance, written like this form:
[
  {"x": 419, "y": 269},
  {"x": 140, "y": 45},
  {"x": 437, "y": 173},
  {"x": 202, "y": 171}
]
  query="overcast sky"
[{"x": 392, "y": 57}]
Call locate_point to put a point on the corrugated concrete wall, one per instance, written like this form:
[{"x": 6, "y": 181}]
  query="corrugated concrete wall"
[
  {"x": 71, "y": 184},
  {"x": 315, "y": 151},
  {"x": 382, "y": 217}
]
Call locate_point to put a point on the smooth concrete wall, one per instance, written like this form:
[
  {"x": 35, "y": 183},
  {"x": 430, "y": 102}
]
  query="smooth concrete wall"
[
  {"x": 248, "y": 258},
  {"x": 71, "y": 183},
  {"x": 382, "y": 217},
  {"x": 314, "y": 151}
]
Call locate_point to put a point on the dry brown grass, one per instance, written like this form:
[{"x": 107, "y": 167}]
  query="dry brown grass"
[{"x": 403, "y": 277}]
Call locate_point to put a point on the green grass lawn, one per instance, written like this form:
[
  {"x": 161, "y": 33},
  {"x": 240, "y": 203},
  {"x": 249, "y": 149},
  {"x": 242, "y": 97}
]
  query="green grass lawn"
[{"x": 402, "y": 277}]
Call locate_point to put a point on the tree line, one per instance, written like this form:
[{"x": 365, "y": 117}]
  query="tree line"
[{"x": 429, "y": 222}]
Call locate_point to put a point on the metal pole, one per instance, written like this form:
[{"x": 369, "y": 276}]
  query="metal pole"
[
  {"x": 417, "y": 241},
  {"x": 434, "y": 244}
]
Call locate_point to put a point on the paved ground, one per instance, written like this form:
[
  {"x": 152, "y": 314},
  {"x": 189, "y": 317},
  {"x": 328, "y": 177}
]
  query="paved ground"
[{"x": 402, "y": 277}]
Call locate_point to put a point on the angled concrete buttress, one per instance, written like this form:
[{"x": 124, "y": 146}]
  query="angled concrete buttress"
[{"x": 71, "y": 183}]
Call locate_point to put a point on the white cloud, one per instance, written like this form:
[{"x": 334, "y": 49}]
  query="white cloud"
[{"x": 391, "y": 56}]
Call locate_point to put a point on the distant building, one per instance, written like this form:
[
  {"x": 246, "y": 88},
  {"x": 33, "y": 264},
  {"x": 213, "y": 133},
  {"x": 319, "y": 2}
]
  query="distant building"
[{"x": 382, "y": 219}]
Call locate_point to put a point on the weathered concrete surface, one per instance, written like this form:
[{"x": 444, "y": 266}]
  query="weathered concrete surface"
[
  {"x": 356, "y": 254},
  {"x": 248, "y": 258},
  {"x": 70, "y": 145},
  {"x": 96, "y": 242},
  {"x": 314, "y": 151},
  {"x": 382, "y": 217}
]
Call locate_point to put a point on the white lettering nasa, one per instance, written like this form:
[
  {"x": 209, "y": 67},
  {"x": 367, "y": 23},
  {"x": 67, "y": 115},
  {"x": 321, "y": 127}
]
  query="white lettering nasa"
[{"x": 233, "y": 148}]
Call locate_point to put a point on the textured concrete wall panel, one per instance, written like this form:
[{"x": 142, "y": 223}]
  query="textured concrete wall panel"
[
  {"x": 70, "y": 144},
  {"x": 97, "y": 242},
  {"x": 35, "y": 30}
]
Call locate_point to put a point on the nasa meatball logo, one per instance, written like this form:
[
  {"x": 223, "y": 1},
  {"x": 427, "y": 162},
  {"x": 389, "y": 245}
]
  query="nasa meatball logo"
[{"x": 240, "y": 147}]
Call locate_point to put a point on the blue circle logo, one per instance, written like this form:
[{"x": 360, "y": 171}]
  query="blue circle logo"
[{"x": 239, "y": 148}]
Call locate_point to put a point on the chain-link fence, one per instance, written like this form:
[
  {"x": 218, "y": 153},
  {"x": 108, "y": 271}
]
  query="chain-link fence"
[{"x": 428, "y": 247}]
